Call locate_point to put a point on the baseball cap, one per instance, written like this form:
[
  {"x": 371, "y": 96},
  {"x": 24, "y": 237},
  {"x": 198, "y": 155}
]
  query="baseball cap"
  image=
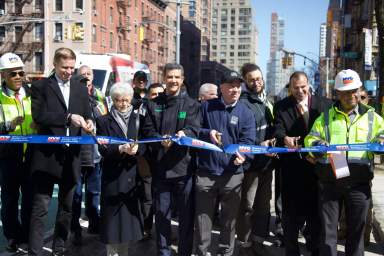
[
  {"x": 347, "y": 80},
  {"x": 140, "y": 75},
  {"x": 230, "y": 77},
  {"x": 10, "y": 60}
]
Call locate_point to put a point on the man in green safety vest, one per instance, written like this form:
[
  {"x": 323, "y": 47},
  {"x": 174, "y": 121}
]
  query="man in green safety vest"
[
  {"x": 15, "y": 119},
  {"x": 345, "y": 176}
]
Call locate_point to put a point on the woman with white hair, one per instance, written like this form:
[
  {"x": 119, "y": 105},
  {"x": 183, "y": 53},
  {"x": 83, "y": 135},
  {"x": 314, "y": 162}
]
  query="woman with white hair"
[{"x": 121, "y": 218}]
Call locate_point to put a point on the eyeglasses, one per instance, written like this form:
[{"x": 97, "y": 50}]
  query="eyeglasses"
[
  {"x": 14, "y": 73},
  {"x": 119, "y": 101},
  {"x": 256, "y": 80}
]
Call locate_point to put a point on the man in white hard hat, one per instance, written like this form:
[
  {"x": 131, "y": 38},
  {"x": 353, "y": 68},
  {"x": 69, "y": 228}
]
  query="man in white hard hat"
[
  {"x": 16, "y": 119},
  {"x": 345, "y": 176}
]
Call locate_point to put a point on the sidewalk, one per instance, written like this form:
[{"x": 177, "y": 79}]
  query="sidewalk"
[{"x": 378, "y": 205}]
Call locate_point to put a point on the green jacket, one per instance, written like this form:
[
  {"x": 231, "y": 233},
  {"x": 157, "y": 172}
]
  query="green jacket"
[
  {"x": 336, "y": 128},
  {"x": 10, "y": 108}
]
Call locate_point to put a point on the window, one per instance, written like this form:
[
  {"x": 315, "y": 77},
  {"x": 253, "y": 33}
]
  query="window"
[
  {"x": 2, "y": 32},
  {"x": 39, "y": 31},
  {"x": 58, "y": 32},
  {"x": 39, "y": 5},
  {"x": 79, "y": 5},
  {"x": 94, "y": 36},
  {"x": 94, "y": 5},
  {"x": 18, "y": 6},
  {"x": 18, "y": 33},
  {"x": 111, "y": 40},
  {"x": 110, "y": 14},
  {"x": 78, "y": 33},
  {"x": 39, "y": 61},
  {"x": 59, "y": 5}
]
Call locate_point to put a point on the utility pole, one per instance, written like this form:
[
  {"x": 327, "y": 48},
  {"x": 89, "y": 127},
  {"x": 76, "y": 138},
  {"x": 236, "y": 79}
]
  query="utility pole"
[
  {"x": 327, "y": 77},
  {"x": 178, "y": 32}
]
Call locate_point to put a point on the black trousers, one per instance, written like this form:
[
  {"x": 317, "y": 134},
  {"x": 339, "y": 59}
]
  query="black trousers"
[
  {"x": 43, "y": 185},
  {"x": 356, "y": 198},
  {"x": 15, "y": 181},
  {"x": 300, "y": 205}
]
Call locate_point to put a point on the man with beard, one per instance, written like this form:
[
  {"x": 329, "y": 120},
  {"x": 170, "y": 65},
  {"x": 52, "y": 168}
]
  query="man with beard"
[{"x": 254, "y": 213}]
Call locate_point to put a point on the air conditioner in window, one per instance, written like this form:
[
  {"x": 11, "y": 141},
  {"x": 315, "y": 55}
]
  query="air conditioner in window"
[
  {"x": 2, "y": 12},
  {"x": 94, "y": 12}
]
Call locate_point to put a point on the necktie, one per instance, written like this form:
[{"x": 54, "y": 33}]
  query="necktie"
[
  {"x": 304, "y": 113},
  {"x": 17, "y": 97}
]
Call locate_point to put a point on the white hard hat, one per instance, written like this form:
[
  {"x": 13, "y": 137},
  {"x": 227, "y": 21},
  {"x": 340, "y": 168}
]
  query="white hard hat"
[
  {"x": 10, "y": 60},
  {"x": 347, "y": 80}
]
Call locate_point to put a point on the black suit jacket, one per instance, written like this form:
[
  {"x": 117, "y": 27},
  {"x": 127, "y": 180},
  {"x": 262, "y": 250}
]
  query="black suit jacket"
[
  {"x": 50, "y": 114},
  {"x": 289, "y": 122}
]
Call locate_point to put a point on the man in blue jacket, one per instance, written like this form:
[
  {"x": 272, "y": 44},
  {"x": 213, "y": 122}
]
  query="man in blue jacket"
[{"x": 225, "y": 121}]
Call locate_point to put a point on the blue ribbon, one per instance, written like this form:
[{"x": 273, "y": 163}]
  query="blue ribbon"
[{"x": 186, "y": 141}]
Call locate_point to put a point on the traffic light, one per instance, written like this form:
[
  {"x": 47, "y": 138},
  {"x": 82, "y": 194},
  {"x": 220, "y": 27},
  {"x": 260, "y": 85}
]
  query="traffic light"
[
  {"x": 284, "y": 61},
  {"x": 77, "y": 32},
  {"x": 289, "y": 61},
  {"x": 141, "y": 33}
]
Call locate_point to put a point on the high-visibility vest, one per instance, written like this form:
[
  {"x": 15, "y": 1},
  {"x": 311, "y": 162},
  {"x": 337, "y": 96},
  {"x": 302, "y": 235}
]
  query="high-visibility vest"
[{"x": 335, "y": 127}]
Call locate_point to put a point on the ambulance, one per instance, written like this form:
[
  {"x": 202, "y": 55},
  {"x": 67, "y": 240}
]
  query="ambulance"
[{"x": 111, "y": 68}]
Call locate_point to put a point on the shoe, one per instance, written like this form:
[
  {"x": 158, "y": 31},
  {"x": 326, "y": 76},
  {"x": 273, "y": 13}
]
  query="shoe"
[
  {"x": 12, "y": 245},
  {"x": 279, "y": 241},
  {"x": 147, "y": 235},
  {"x": 259, "y": 249},
  {"x": 77, "y": 238},
  {"x": 245, "y": 251}
]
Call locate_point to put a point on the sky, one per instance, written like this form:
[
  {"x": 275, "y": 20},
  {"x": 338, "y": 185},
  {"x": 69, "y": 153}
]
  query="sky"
[{"x": 302, "y": 26}]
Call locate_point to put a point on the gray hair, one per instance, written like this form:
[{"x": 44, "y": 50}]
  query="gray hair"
[
  {"x": 121, "y": 89},
  {"x": 172, "y": 66},
  {"x": 83, "y": 67},
  {"x": 204, "y": 88}
]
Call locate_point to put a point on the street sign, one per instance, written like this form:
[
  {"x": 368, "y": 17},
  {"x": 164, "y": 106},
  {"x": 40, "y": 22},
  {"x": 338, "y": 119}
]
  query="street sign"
[{"x": 350, "y": 55}]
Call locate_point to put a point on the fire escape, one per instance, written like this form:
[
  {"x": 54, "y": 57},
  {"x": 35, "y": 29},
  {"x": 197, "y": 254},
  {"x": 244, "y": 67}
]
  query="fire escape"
[{"x": 20, "y": 37}]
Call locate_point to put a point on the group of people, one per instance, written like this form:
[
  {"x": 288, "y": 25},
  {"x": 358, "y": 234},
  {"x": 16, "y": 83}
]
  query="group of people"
[{"x": 136, "y": 184}]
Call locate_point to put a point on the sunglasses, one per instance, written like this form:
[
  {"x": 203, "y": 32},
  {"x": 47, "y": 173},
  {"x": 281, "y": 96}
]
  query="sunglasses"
[
  {"x": 14, "y": 73},
  {"x": 363, "y": 97}
]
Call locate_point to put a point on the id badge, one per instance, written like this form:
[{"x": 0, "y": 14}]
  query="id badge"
[{"x": 339, "y": 164}]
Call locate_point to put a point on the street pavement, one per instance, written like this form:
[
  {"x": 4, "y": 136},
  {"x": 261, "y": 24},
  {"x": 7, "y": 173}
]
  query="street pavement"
[{"x": 91, "y": 244}]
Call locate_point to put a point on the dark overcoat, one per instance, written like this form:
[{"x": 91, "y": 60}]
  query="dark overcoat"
[
  {"x": 50, "y": 114},
  {"x": 121, "y": 218}
]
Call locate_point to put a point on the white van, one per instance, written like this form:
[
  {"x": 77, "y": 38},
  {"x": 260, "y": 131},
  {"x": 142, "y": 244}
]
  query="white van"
[{"x": 110, "y": 68}]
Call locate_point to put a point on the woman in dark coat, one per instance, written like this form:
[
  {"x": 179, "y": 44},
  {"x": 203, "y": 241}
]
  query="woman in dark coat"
[{"x": 121, "y": 218}]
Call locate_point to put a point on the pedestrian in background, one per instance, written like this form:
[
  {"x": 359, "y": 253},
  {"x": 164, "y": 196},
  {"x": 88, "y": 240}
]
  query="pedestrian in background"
[
  {"x": 172, "y": 113},
  {"x": 346, "y": 122},
  {"x": 207, "y": 91},
  {"x": 294, "y": 116},
  {"x": 90, "y": 166},
  {"x": 121, "y": 217},
  {"x": 15, "y": 180},
  {"x": 60, "y": 107},
  {"x": 225, "y": 121}
]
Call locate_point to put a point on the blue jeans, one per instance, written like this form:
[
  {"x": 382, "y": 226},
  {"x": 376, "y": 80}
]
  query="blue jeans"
[
  {"x": 179, "y": 191},
  {"x": 91, "y": 177}
]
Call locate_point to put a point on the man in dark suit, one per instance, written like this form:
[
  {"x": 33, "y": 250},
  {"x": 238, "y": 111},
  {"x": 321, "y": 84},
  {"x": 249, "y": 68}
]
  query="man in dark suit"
[
  {"x": 294, "y": 116},
  {"x": 59, "y": 108}
]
